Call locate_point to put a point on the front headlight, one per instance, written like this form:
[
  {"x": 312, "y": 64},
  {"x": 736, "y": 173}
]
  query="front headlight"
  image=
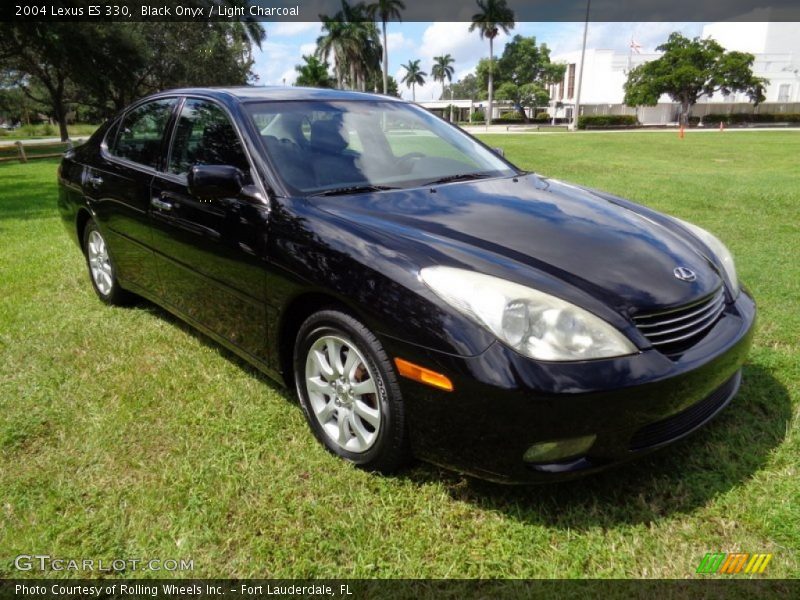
[
  {"x": 533, "y": 323},
  {"x": 721, "y": 252}
]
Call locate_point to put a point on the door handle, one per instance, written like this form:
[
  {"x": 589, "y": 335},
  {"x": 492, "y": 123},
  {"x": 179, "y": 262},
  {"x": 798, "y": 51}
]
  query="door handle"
[
  {"x": 94, "y": 180},
  {"x": 160, "y": 204}
]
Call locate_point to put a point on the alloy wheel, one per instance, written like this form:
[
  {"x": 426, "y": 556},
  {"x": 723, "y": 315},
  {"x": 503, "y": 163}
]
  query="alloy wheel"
[
  {"x": 343, "y": 393},
  {"x": 99, "y": 263}
]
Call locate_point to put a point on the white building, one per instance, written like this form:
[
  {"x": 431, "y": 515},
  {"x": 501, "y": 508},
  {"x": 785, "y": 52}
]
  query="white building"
[{"x": 776, "y": 47}]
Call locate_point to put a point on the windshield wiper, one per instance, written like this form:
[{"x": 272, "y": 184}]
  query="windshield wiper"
[
  {"x": 458, "y": 177},
  {"x": 354, "y": 189}
]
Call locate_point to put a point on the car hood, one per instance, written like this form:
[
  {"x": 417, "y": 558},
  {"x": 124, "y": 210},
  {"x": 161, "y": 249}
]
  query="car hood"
[{"x": 566, "y": 232}]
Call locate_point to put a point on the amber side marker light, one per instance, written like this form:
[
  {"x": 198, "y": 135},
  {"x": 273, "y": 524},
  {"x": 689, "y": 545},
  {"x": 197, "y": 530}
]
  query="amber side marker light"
[{"x": 423, "y": 375}]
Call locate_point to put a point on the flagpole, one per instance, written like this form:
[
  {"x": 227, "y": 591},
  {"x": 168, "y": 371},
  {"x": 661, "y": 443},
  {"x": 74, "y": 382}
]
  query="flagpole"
[
  {"x": 630, "y": 56},
  {"x": 574, "y": 124}
]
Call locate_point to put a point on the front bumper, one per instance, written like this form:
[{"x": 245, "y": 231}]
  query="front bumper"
[{"x": 504, "y": 403}]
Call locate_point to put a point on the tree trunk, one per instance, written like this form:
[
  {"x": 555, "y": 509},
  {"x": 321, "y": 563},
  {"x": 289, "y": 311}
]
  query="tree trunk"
[
  {"x": 685, "y": 108},
  {"x": 61, "y": 116},
  {"x": 413, "y": 93},
  {"x": 491, "y": 81},
  {"x": 385, "y": 62},
  {"x": 60, "y": 110},
  {"x": 525, "y": 118}
]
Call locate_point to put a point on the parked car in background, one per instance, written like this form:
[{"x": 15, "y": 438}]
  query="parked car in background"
[{"x": 422, "y": 295}]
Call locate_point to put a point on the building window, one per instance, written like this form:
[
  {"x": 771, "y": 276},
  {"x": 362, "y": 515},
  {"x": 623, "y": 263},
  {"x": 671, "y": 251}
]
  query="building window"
[
  {"x": 571, "y": 81},
  {"x": 784, "y": 91}
]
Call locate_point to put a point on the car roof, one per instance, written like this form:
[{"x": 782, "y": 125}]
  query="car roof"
[{"x": 251, "y": 93}]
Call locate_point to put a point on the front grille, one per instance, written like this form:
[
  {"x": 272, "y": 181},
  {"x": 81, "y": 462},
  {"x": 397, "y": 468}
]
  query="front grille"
[
  {"x": 687, "y": 420},
  {"x": 673, "y": 331}
]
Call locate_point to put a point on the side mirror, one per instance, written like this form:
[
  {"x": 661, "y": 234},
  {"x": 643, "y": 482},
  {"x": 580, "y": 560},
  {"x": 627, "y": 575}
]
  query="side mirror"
[
  {"x": 215, "y": 181},
  {"x": 499, "y": 151}
]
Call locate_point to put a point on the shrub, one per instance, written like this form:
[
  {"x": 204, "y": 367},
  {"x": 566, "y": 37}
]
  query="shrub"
[
  {"x": 606, "y": 121},
  {"x": 736, "y": 118},
  {"x": 510, "y": 117},
  {"x": 477, "y": 116}
]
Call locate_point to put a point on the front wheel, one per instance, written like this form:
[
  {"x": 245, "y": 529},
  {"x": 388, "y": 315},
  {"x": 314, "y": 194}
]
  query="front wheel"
[
  {"x": 349, "y": 393},
  {"x": 101, "y": 267}
]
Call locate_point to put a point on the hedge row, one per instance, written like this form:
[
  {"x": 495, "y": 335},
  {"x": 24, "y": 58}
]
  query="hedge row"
[
  {"x": 735, "y": 118},
  {"x": 511, "y": 118},
  {"x": 585, "y": 121}
]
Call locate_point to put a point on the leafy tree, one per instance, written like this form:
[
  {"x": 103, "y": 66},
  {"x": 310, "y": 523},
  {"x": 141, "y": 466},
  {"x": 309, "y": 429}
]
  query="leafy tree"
[
  {"x": 523, "y": 61},
  {"x": 375, "y": 82},
  {"x": 15, "y": 106},
  {"x": 523, "y": 64},
  {"x": 385, "y": 10},
  {"x": 314, "y": 73},
  {"x": 107, "y": 65},
  {"x": 443, "y": 69},
  {"x": 494, "y": 16},
  {"x": 689, "y": 70},
  {"x": 120, "y": 52},
  {"x": 527, "y": 95},
  {"x": 196, "y": 54},
  {"x": 43, "y": 55},
  {"x": 482, "y": 70},
  {"x": 394, "y": 89},
  {"x": 468, "y": 87},
  {"x": 414, "y": 76}
]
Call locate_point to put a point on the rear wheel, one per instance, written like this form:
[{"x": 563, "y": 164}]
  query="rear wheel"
[
  {"x": 101, "y": 267},
  {"x": 349, "y": 393}
]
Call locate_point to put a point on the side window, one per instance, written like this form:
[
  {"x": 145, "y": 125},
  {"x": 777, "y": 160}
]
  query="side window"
[
  {"x": 141, "y": 132},
  {"x": 205, "y": 136}
]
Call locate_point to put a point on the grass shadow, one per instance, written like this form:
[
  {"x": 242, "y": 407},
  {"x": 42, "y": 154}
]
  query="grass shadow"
[
  {"x": 162, "y": 313},
  {"x": 677, "y": 479}
]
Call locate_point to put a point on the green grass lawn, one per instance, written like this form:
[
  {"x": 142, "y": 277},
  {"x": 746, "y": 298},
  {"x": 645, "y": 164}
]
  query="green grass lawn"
[
  {"x": 46, "y": 130},
  {"x": 123, "y": 434}
]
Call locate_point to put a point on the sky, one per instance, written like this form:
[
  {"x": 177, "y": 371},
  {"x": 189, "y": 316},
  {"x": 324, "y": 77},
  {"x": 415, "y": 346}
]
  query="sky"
[{"x": 287, "y": 42}]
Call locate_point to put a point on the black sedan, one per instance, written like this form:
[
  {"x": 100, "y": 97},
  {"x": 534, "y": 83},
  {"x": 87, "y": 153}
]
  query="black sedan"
[{"x": 422, "y": 294}]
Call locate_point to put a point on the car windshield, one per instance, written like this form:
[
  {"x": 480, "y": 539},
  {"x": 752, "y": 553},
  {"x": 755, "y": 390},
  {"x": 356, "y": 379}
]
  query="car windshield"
[{"x": 320, "y": 147}]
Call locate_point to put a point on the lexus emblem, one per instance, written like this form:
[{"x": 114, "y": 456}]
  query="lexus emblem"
[{"x": 684, "y": 274}]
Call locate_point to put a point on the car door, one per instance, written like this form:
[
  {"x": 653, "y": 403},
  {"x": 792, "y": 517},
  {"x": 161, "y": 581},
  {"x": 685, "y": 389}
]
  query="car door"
[
  {"x": 117, "y": 186},
  {"x": 210, "y": 254}
]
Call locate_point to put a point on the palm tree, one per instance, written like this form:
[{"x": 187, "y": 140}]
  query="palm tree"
[
  {"x": 333, "y": 41},
  {"x": 413, "y": 77},
  {"x": 386, "y": 10},
  {"x": 494, "y": 16},
  {"x": 442, "y": 69},
  {"x": 354, "y": 42}
]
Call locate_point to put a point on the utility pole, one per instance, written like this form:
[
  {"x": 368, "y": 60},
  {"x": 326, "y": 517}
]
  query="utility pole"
[{"x": 574, "y": 125}]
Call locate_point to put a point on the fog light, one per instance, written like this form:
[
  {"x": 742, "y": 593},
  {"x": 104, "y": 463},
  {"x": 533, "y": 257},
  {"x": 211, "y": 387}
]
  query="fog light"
[{"x": 557, "y": 450}]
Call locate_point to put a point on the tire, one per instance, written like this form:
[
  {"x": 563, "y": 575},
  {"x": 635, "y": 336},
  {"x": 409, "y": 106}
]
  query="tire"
[
  {"x": 353, "y": 405},
  {"x": 102, "y": 272}
]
